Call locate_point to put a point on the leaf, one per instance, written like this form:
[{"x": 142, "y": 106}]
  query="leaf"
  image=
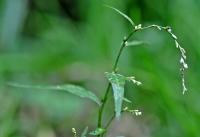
[
  {"x": 98, "y": 131},
  {"x": 73, "y": 89},
  {"x": 84, "y": 132},
  {"x": 121, "y": 13},
  {"x": 118, "y": 82},
  {"x": 134, "y": 43},
  {"x": 127, "y": 100}
]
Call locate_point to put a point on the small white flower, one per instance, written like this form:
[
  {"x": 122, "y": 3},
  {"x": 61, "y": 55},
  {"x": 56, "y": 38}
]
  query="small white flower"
[
  {"x": 182, "y": 60},
  {"x": 174, "y": 36},
  {"x": 132, "y": 78},
  {"x": 137, "y": 112},
  {"x": 74, "y": 131},
  {"x": 183, "y": 55},
  {"x": 177, "y": 44},
  {"x": 126, "y": 43},
  {"x": 183, "y": 85},
  {"x": 182, "y": 50},
  {"x": 169, "y": 30},
  {"x": 125, "y": 109},
  {"x": 185, "y": 65},
  {"x": 138, "y": 26}
]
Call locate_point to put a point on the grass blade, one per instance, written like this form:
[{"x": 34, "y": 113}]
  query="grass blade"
[
  {"x": 122, "y": 14},
  {"x": 84, "y": 132},
  {"x": 73, "y": 89}
]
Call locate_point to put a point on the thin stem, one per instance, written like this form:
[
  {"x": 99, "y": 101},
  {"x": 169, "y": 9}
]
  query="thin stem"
[
  {"x": 102, "y": 106},
  {"x": 121, "y": 49},
  {"x": 108, "y": 124},
  {"x": 110, "y": 121},
  {"x": 104, "y": 100}
]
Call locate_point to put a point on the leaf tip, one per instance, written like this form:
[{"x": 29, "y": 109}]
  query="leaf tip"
[{"x": 121, "y": 13}]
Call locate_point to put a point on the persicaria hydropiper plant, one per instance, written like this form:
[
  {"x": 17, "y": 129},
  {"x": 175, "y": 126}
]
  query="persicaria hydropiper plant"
[{"x": 117, "y": 81}]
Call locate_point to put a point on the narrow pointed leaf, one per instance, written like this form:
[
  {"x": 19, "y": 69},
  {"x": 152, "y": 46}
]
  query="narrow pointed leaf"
[
  {"x": 73, "y": 89},
  {"x": 117, "y": 81},
  {"x": 122, "y": 14},
  {"x": 126, "y": 100},
  {"x": 98, "y": 131},
  {"x": 135, "y": 43},
  {"x": 84, "y": 133}
]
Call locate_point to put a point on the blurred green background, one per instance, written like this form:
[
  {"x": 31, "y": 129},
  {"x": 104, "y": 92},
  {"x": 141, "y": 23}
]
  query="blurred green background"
[{"x": 75, "y": 41}]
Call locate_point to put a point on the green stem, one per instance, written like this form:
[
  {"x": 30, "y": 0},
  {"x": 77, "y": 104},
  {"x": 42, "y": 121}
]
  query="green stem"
[
  {"x": 110, "y": 120},
  {"x": 102, "y": 106},
  {"x": 104, "y": 100}
]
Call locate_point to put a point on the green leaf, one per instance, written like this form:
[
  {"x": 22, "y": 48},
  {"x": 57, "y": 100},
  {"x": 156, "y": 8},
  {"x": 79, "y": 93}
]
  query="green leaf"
[
  {"x": 134, "y": 43},
  {"x": 73, "y": 89},
  {"x": 117, "y": 81},
  {"x": 121, "y": 13},
  {"x": 98, "y": 131},
  {"x": 84, "y": 132},
  {"x": 127, "y": 100}
]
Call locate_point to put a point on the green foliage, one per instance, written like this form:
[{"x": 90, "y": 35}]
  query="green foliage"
[
  {"x": 118, "y": 82},
  {"x": 73, "y": 89},
  {"x": 43, "y": 45}
]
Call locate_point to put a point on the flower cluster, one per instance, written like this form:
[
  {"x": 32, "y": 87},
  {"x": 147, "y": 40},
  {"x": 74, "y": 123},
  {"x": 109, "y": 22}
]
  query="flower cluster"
[
  {"x": 132, "y": 111},
  {"x": 182, "y": 59}
]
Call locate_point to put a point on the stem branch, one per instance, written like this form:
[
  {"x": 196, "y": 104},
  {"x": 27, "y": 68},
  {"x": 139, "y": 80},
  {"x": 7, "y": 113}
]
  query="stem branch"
[{"x": 104, "y": 100}]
